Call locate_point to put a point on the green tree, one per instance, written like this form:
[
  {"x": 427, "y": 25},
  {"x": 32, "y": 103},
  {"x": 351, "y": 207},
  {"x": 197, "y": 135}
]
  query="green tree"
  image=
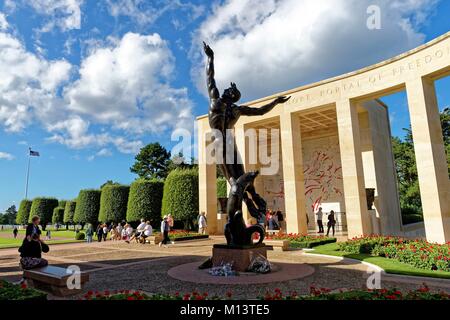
[
  {"x": 58, "y": 215},
  {"x": 43, "y": 207},
  {"x": 151, "y": 162},
  {"x": 88, "y": 207},
  {"x": 24, "y": 212},
  {"x": 113, "y": 203},
  {"x": 181, "y": 195},
  {"x": 69, "y": 212},
  {"x": 222, "y": 188},
  {"x": 9, "y": 216},
  {"x": 109, "y": 183},
  {"x": 405, "y": 162},
  {"x": 145, "y": 200}
]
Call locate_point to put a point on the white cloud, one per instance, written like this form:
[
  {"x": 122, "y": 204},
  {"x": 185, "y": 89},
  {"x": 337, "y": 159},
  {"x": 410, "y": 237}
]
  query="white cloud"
[
  {"x": 102, "y": 153},
  {"x": 62, "y": 14},
  {"x": 282, "y": 44},
  {"x": 146, "y": 12},
  {"x": 126, "y": 86},
  {"x": 28, "y": 84},
  {"x": 3, "y": 23},
  {"x": 6, "y": 156}
]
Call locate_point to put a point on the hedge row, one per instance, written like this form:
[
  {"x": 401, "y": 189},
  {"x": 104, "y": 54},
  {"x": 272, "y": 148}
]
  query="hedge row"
[
  {"x": 88, "y": 206},
  {"x": 181, "y": 195},
  {"x": 113, "y": 203},
  {"x": 69, "y": 212},
  {"x": 43, "y": 207},
  {"x": 144, "y": 199},
  {"x": 24, "y": 212}
]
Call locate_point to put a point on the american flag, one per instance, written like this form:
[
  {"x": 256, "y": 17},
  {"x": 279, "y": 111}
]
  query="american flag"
[{"x": 34, "y": 153}]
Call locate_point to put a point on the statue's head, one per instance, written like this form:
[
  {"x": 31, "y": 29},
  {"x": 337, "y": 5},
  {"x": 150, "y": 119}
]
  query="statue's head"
[{"x": 232, "y": 94}]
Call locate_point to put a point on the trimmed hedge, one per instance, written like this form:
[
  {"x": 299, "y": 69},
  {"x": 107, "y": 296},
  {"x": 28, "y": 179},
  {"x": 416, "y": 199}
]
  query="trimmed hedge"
[
  {"x": 411, "y": 218},
  {"x": 113, "y": 203},
  {"x": 145, "y": 200},
  {"x": 80, "y": 236},
  {"x": 310, "y": 244},
  {"x": 88, "y": 207},
  {"x": 69, "y": 212},
  {"x": 181, "y": 195},
  {"x": 43, "y": 207},
  {"x": 24, "y": 212},
  {"x": 62, "y": 203},
  {"x": 222, "y": 188},
  {"x": 58, "y": 215}
]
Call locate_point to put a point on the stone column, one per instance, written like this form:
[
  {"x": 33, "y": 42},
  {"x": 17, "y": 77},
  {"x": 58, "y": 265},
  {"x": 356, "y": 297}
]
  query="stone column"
[
  {"x": 207, "y": 179},
  {"x": 352, "y": 169},
  {"x": 294, "y": 183},
  {"x": 430, "y": 158}
]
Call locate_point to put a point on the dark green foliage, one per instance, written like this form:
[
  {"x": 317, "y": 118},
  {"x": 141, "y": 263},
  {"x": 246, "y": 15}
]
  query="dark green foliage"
[
  {"x": 24, "y": 212},
  {"x": 113, "y": 203},
  {"x": 9, "y": 291},
  {"x": 405, "y": 162},
  {"x": 222, "y": 188},
  {"x": 79, "y": 236},
  {"x": 152, "y": 162},
  {"x": 62, "y": 203},
  {"x": 69, "y": 212},
  {"x": 43, "y": 207},
  {"x": 58, "y": 215},
  {"x": 181, "y": 195},
  {"x": 88, "y": 207},
  {"x": 145, "y": 200},
  {"x": 411, "y": 218}
]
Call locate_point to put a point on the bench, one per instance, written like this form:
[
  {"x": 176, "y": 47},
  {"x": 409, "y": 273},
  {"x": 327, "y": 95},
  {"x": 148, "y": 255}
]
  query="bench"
[
  {"x": 283, "y": 244},
  {"x": 53, "y": 280}
]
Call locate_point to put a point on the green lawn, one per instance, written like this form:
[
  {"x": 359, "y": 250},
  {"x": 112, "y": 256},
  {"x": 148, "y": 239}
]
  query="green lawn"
[
  {"x": 389, "y": 265},
  {"x": 66, "y": 236}
]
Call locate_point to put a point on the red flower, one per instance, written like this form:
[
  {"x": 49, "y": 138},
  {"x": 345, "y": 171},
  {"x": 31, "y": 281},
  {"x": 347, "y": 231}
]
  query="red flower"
[
  {"x": 23, "y": 285},
  {"x": 130, "y": 298}
]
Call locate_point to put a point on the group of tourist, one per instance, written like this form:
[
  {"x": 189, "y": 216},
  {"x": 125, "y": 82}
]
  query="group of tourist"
[{"x": 124, "y": 231}]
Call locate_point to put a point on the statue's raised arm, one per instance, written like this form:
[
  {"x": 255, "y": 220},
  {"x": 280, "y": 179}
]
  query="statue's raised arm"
[{"x": 213, "y": 92}]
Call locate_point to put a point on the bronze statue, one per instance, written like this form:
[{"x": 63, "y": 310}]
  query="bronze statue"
[{"x": 223, "y": 115}]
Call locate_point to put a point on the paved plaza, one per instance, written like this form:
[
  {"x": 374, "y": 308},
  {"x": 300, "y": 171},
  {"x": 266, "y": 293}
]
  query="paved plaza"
[{"x": 118, "y": 265}]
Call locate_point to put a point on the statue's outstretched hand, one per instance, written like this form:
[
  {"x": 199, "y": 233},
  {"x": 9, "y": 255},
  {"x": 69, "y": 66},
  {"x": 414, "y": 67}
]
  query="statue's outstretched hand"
[
  {"x": 281, "y": 99},
  {"x": 209, "y": 52}
]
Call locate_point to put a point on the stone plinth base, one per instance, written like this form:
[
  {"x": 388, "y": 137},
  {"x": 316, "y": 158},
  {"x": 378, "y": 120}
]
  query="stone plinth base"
[{"x": 239, "y": 256}]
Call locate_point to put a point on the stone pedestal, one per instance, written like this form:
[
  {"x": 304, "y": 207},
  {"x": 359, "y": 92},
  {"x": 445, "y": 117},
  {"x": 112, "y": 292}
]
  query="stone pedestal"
[{"x": 239, "y": 256}]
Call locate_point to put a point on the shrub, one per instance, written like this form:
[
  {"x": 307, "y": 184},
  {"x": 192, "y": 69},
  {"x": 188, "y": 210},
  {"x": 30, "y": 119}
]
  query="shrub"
[
  {"x": 144, "y": 201},
  {"x": 69, "y": 212},
  {"x": 411, "y": 218},
  {"x": 9, "y": 291},
  {"x": 58, "y": 215},
  {"x": 24, "y": 212},
  {"x": 181, "y": 195},
  {"x": 367, "y": 244},
  {"x": 79, "y": 236},
  {"x": 88, "y": 207},
  {"x": 43, "y": 207},
  {"x": 113, "y": 203},
  {"x": 222, "y": 188},
  {"x": 62, "y": 203}
]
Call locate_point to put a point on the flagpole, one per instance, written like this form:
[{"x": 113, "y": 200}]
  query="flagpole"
[{"x": 28, "y": 173}]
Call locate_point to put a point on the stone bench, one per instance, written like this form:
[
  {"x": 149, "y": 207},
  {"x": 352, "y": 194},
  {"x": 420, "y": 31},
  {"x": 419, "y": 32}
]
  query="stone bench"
[
  {"x": 283, "y": 244},
  {"x": 53, "y": 280}
]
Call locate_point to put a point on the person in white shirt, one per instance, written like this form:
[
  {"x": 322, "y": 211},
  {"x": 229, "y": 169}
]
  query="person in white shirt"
[
  {"x": 148, "y": 231},
  {"x": 202, "y": 225},
  {"x": 139, "y": 231},
  {"x": 319, "y": 215}
]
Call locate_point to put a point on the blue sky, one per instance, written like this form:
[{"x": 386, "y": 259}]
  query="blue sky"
[{"x": 86, "y": 83}]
